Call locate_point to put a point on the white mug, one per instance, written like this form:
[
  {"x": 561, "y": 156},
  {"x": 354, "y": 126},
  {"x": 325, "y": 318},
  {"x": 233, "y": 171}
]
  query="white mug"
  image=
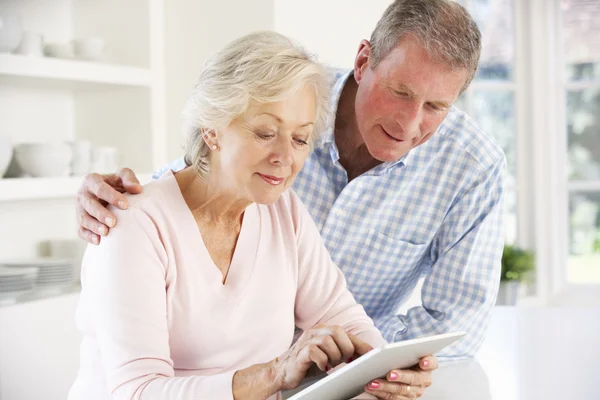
[{"x": 32, "y": 44}]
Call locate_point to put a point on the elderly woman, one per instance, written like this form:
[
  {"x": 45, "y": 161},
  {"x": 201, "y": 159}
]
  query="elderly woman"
[{"x": 196, "y": 292}]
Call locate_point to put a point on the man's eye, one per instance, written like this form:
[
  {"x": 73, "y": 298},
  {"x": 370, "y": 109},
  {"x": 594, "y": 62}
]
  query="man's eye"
[{"x": 436, "y": 108}]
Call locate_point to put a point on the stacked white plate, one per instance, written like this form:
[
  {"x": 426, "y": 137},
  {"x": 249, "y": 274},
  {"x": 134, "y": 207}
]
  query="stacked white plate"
[
  {"x": 15, "y": 282},
  {"x": 53, "y": 274}
]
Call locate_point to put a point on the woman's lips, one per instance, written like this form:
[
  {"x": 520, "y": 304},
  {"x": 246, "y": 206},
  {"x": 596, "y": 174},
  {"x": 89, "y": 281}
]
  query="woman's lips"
[{"x": 271, "y": 180}]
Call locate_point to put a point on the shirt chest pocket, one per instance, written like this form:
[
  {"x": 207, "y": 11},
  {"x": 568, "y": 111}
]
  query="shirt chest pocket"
[{"x": 387, "y": 254}]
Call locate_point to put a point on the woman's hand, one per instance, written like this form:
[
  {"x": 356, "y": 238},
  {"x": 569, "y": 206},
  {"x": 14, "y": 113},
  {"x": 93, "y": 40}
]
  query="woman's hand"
[
  {"x": 404, "y": 384},
  {"x": 323, "y": 346},
  {"x": 95, "y": 193}
]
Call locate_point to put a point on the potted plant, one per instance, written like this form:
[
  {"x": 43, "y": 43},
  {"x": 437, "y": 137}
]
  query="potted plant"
[{"x": 517, "y": 265}]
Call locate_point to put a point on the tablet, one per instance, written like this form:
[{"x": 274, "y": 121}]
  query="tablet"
[{"x": 349, "y": 381}]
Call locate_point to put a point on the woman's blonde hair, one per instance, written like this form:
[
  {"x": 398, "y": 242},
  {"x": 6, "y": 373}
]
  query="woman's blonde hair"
[{"x": 261, "y": 67}]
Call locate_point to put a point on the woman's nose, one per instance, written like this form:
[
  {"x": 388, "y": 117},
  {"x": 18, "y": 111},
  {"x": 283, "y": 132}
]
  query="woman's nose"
[{"x": 282, "y": 153}]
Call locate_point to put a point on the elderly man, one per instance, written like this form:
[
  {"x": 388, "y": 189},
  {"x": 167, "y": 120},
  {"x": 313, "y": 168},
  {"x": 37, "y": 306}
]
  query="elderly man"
[{"x": 402, "y": 185}]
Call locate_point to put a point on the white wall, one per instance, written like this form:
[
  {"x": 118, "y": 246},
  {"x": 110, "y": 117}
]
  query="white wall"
[
  {"x": 194, "y": 31},
  {"x": 319, "y": 26}
]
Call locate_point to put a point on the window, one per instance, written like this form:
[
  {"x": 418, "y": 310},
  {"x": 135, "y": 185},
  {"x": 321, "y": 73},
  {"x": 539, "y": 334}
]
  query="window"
[
  {"x": 579, "y": 37},
  {"x": 491, "y": 98}
]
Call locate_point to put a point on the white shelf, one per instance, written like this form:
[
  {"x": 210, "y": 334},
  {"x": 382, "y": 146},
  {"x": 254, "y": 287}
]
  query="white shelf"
[
  {"x": 17, "y": 189},
  {"x": 37, "y": 71}
]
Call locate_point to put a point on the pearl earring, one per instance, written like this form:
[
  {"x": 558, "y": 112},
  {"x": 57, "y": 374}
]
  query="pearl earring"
[{"x": 214, "y": 147}]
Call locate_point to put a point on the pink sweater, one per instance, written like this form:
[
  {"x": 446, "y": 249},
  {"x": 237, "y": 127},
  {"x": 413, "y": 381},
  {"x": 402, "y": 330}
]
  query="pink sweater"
[{"x": 158, "y": 322}]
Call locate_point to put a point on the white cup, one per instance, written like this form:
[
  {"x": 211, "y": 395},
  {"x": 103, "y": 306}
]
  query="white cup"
[{"x": 32, "y": 44}]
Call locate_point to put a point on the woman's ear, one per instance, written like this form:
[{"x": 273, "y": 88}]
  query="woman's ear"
[{"x": 210, "y": 138}]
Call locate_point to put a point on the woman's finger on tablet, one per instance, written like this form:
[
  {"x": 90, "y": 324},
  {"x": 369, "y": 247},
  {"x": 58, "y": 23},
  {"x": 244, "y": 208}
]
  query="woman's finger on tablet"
[
  {"x": 343, "y": 342},
  {"x": 410, "y": 377},
  {"x": 360, "y": 346},
  {"x": 393, "y": 391},
  {"x": 329, "y": 347},
  {"x": 316, "y": 355},
  {"x": 428, "y": 363}
]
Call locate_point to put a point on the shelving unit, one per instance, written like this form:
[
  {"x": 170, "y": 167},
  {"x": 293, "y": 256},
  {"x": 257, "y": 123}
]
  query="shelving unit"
[
  {"x": 119, "y": 101},
  {"x": 17, "y": 189},
  {"x": 69, "y": 74}
]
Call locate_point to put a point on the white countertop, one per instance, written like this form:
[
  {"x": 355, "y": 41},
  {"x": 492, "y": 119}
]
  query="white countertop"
[{"x": 529, "y": 354}]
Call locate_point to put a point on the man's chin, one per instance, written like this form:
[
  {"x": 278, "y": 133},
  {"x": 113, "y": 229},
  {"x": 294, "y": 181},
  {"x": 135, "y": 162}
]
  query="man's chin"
[{"x": 388, "y": 154}]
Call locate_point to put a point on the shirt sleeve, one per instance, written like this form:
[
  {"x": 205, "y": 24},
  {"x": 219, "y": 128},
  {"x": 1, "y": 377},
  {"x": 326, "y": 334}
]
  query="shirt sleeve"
[
  {"x": 124, "y": 282},
  {"x": 174, "y": 166},
  {"x": 461, "y": 283},
  {"x": 322, "y": 296}
]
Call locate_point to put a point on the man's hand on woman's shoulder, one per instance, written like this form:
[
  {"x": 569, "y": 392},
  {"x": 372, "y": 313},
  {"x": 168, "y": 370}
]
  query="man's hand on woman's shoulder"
[{"x": 93, "y": 196}]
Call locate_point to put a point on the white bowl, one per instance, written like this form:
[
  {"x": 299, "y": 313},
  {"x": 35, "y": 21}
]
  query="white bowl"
[
  {"x": 89, "y": 48},
  {"x": 6, "y": 152},
  {"x": 59, "y": 50},
  {"x": 44, "y": 159}
]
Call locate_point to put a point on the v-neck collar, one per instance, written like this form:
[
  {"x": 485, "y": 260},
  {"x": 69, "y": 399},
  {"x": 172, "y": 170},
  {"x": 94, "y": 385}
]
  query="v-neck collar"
[{"x": 244, "y": 255}]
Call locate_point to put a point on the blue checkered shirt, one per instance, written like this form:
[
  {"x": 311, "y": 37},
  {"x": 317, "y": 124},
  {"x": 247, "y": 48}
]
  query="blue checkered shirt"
[{"x": 436, "y": 213}]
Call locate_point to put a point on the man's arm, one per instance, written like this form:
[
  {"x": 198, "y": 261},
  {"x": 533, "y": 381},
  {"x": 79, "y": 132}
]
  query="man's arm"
[
  {"x": 461, "y": 285},
  {"x": 97, "y": 191}
]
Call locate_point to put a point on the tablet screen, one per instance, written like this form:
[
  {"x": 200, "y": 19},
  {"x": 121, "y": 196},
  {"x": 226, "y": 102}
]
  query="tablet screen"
[{"x": 349, "y": 380}]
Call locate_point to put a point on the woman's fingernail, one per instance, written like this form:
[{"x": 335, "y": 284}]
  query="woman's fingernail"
[
  {"x": 109, "y": 221},
  {"x": 327, "y": 368},
  {"x": 374, "y": 385},
  {"x": 122, "y": 204},
  {"x": 426, "y": 363},
  {"x": 95, "y": 240},
  {"x": 351, "y": 359},
  {"x": 101, "y": 230},
  {"x": 393, "y": 376}
]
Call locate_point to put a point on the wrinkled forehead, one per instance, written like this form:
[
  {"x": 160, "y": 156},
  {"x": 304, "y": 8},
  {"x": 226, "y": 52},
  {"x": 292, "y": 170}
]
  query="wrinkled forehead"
[{"x": 296, "y": 110}]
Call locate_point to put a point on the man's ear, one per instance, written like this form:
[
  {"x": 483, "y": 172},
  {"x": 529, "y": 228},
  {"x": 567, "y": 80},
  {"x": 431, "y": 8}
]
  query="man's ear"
[{"x": 361, "y": 62}]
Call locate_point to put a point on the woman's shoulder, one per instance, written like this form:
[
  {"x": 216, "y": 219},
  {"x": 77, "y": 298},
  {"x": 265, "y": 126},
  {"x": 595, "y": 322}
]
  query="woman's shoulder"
[
  {"x": 156, "y": 192},
  {"x": 154, "y": 204}
]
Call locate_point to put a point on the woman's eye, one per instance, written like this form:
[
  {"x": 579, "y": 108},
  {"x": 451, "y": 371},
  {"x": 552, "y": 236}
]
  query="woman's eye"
[
  {"x": 264, "y": 135},
  {"x": 301, "y": 142}
]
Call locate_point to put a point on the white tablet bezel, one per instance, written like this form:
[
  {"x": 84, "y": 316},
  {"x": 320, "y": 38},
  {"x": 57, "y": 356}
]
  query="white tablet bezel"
[{"x": 349, "y": 380}]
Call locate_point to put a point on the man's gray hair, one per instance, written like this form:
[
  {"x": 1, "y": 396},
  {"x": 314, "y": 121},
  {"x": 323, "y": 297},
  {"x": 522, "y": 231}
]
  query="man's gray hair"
[{"x": 444, "y": 28}]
